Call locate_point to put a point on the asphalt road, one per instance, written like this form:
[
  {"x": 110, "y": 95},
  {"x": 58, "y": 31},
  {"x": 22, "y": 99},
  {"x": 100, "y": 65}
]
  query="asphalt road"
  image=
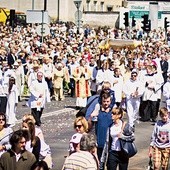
[{"x": 58, "y": 118}]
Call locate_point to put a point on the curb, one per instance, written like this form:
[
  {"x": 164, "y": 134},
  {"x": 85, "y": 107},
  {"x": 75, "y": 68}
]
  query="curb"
[{"x": 54, "y": 113}]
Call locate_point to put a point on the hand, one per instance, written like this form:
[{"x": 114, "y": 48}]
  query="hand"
[
  {"x": 82, "y": 75},
  {"x": 150, "y": 152},
  {"x": 136, "y": 93},
  {"x": 116, "y": 81},
  {"x": 2, "y": 148},
  {"x": 132, "y": 95}
]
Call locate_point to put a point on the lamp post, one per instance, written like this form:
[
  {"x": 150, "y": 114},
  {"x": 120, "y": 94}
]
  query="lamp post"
[
  {"x": 42, "y": 28},
  {"x": 77, "y": 4},
  {"x": 58, "y": 11},
  {"x": 32, "y": 4}
]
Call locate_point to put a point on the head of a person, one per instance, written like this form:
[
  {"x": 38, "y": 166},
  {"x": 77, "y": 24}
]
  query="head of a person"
[
  {"x": 106, "y": 85},
  {"x": 41, "y": 165},
  {"x": 163, "y": 113},
  {"x": 92, "y": 61},
  {"x": 140, "y": 65},
  {"x": 81, "y": 124},
  {"x": 29, "y": 125},
  {"x": 88, "y": 143},
  {"x": 18, "y": 140},
  {"x": 117, "y": 113},
  {"x": 104, "y": 64},
  {"x": 146, "y": 62},
  {"x": 149, "y": 69},
  {"x": 82, "y": 62},
  {"x": 117, "y": 71},
  {"x": 36, "y": 67},
  {"x": 2, "y": 120},
  {"x": 39, "y": 76},
  {"x": 163, "y": 57},
  {"x": 106, "y": 100},
  {"x": 59, "y": 66},
  {"x": 11, "y": 80},
  {"x": 134, "y": 75},
  {"x": 28, "y": 116}
]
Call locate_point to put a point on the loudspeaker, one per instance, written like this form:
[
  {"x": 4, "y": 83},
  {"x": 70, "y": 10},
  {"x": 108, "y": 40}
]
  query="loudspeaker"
[{"x": 12, "y": 17}]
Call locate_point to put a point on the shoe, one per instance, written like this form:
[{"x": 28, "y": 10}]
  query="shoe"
[
  {"x": 143, "y": 120},
  {"x": 153, "y": 120}
]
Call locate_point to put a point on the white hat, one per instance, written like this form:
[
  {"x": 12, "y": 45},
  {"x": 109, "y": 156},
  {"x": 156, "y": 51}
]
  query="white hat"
[{"x": 76, "y": 138}]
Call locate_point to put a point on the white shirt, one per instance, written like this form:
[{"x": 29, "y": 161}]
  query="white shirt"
[{"x": 115, "y": 130}]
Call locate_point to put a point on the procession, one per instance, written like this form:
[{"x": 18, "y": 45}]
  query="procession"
[{"x": 112, "y": 73}]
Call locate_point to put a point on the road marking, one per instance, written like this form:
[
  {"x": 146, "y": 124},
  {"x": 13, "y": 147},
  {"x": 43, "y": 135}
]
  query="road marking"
[{"x": 65, "y": 110}]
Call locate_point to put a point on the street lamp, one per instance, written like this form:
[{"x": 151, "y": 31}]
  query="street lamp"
[{"x": 77, "y": 4}]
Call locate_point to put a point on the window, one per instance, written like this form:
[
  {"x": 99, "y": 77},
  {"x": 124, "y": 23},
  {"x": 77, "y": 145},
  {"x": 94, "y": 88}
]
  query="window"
[
  {"x": 88, "y": 5},
  {"x": 95, "y": 5},
  {"x": 109, "y": 8},
  {"x": 102, "y": 6}
]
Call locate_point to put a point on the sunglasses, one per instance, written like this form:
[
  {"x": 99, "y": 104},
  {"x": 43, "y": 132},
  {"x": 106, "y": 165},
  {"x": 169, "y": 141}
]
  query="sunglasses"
[
  {"x": 78, "y": 126},
  {"x": 133, "y": 75},
  {"x": 2, "y": 119}
]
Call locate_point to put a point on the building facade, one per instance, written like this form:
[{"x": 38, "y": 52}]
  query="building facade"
[
  {"x": 98, "y": 12},
  {"x": 65, "y": 10}
]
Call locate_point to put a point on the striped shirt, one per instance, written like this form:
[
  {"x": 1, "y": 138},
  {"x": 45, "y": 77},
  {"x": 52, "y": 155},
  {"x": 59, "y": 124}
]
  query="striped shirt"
[{"x": 81, "y": 160}]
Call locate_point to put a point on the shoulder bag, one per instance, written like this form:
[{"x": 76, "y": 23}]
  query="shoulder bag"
[{"x": 127, "y": 145}]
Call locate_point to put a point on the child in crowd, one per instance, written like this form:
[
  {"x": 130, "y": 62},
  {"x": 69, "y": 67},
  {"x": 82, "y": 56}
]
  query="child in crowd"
[
  {"x": 106, "y": 88},
  {"x": 160, "y": 141}
]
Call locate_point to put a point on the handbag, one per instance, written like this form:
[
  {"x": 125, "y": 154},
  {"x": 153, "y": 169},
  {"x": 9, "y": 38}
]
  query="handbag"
[{"x": 128, "y": 147}]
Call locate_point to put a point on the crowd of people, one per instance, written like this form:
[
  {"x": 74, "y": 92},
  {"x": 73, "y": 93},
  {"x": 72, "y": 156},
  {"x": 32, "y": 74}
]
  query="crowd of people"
[{"x": 112, "y": 80}]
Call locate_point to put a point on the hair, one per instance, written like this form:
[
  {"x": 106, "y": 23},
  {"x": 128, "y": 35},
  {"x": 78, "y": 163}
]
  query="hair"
[
  {"x": 11, "y": 83},
  {"x": 116, "y": 69},
  {"x": 118, "y": 111},
  {"x": 105, "y": 95},
  {"x": 87, "y": 142},
  {"x": 83, "y": 121},
  {"x": 106, "y": 85},
  {"x": 41, "y": 165},
  {"x": 4, "y": 117},
  {"x": 17, "y": 136},
  {"x": 31, "y": 128},
  {"x": 122, "y": 60},
  {"x": 28, "y": 116},
  {"x": 149, "y": 67},
  {"x": 163, "y": 111}
]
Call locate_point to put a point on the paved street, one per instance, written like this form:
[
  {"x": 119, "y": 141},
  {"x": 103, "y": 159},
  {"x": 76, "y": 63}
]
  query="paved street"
[{"x": 57, "y": 127}]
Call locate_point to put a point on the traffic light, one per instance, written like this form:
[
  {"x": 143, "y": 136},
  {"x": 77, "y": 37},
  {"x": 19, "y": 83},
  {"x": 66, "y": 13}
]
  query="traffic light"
[
  {"x": 166, "y": 23},
  {"x": 146, "y": 23},
  {"x": 12, "y": 17},
  {"x": 148, "y": 26},
  {"x": 126, "y": 18},
  {"x": 133, "y": 22}
]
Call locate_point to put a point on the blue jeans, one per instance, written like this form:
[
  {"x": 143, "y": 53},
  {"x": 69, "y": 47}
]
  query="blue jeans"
[{"x": 116, "y": 158}]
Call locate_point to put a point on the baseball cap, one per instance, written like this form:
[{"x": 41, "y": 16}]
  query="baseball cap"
[{"x": 76, "y": 138}]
